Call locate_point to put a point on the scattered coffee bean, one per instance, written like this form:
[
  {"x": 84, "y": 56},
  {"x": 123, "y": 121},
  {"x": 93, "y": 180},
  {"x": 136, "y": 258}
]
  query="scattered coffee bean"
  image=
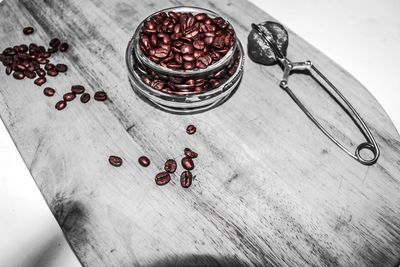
[
  {"x": 29, "y": 74},
  {"x": 28, "y": 30},
  {"x": 187, "y": 163},
  {"x": 19, "y": 75},
  {"x": 170, "y": 166},
  {"x": 61, "y": 68},
  {"x": 8, "y": 70},
  {"x": 100, "y": 96},
  {"x": 144, "y": 161},
  {"x": 186, "y": 179},
  {"x": 40, "y": 72},
  {"x": 48, "y": 91},
  {"x": 52, "y": 72},
  {"x": 115, "y": 161},
  {"x": 40, "y": 81},
  {"x": 77, "y": 89},
  {"x": 60, "y": 105},
  {"x": 63, "y": 47},
  {"x": 191, "y": 129},
  {"x": 190, "y": 153},
  {"x": 69, "y": 96},
  {"x": 49, "y": 66},
  {"x": 55, "y": 42},
  {"x": 162, "y": 178},
  {"x": 85, "y": 98}
]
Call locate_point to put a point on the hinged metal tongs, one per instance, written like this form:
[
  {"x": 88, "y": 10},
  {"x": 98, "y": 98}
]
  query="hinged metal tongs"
[{"x": 288, "y": 67}]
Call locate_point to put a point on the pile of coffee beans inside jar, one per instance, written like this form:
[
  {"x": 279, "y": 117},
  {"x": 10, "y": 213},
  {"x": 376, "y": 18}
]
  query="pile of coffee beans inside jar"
[
  {"x": 182, "y": 40},
  {"x": 185, "y": 41}
]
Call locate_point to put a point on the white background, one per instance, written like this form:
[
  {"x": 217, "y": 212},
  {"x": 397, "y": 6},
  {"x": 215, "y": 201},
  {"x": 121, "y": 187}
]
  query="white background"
[{"x": 362, "y": 36}]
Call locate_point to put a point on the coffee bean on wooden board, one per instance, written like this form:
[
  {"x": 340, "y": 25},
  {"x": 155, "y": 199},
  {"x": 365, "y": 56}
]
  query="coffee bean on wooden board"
[
  {"x": 28, "y": 30},
  {"x": 162, "y": 178},
  {"x": 61, "y": 67},
  {"x": 85, "y": 98},
  {"x": 55, "y": 42},
  {"x": 144, "y": 161},
  {"x": 191, "y": 129},
  {"x": 115, "y": 161},
  {"x": 170, "y": 166},
  {"x": 48, "y": 91},
  {"x": 63, "y": 47},
  {"x": 186, "y": 179},
  {"x": 69, "y": 96},
  {"x": 100, "y": 96},
  {"x": 187, "y": 163},
  {"x": 77, "y": 89},
  {"x": 60, "y": 105},
  {"x": 190, "y": 153},
  {"x": 40, "y": 81}
]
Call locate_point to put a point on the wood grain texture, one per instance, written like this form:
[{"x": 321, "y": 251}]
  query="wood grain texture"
[{"x": 270, "y": 188}]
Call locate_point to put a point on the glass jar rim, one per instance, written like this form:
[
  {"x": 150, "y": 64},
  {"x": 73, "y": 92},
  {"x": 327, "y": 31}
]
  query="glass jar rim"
[{"x": 177, "y": 72}]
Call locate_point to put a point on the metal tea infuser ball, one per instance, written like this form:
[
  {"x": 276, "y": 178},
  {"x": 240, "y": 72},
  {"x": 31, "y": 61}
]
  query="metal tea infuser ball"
[{"x": 268, "y": 42}]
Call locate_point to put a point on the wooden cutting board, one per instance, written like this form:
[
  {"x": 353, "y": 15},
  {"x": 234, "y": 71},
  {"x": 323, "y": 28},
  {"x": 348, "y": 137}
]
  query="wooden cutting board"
[{"x": 270, "y": 188}]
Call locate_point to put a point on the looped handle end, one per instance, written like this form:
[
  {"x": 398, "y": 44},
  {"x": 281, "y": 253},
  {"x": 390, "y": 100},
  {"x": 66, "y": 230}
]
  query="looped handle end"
[{"x": 374, "y": 149}]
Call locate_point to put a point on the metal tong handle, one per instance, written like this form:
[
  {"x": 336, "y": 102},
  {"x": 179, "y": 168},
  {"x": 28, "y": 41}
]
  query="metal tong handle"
[{"x": 288, "y": 67}]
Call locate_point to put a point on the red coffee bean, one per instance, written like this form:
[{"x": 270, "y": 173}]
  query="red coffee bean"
[
  {"x": 77, "y": 89},
  {"x": 20, "y": 67},
  {"x": 100, "y": 96},
  {"x": 187, "y": 49},
  {"x": 178, "y": 58},
  {"x": 8, "y": 70},
  {"x": 162, "y": 178},
  {"x": 200, "y": 16},
  {"x": 29, "y": 74},
  {"x": 28, "y": 30},
  {"x": 190, "y": 153},
  {"x": 40, "y": 81},
  {"x": 144, "y": 161},
  {"x": 40, "y": 72},
  {"x": 45, "y": 54},
  {"x": 191, "y": 129},
  {"x": 187, "y": 163},
  {"x": 52, "y": 72},
  {"x": 157, "y": 84},
  {"x": 63, "y": 47},
  {"x": 60, "y": 105},
  {"x": 186, "y": 179},
  {"x": 201, "y": 65},
  {"x": 115, "y": 161},
  {"x": 49, "y": 66},
  {"x": 161, "y": 53},
  {"x": 19, "y": 75},
  {"x": 198, "y": 44},
  {"x": 55, "y": 42},
  {"x": 61, "y": 67},
  {"x": 188, "y": 57},
  {"x": 170, "y": 166},
  {"x": 85, "y": 98},
  {"x": 69, "y": 96},
  {"x": 48, "y": 91},
  {"x": 189, "y": 65}
]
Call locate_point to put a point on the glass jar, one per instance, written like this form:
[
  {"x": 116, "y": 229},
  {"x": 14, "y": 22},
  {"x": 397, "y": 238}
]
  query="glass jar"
[{"x": 174, "y": 90}]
